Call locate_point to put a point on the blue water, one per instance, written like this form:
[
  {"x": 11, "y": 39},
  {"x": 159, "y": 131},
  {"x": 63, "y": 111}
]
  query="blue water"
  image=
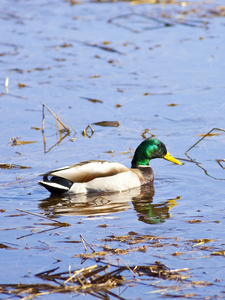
[{"x": 51, "y": 48}]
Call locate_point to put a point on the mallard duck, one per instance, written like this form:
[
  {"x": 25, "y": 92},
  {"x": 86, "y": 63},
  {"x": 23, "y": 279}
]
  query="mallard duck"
[{"x": 101, "y": 176}]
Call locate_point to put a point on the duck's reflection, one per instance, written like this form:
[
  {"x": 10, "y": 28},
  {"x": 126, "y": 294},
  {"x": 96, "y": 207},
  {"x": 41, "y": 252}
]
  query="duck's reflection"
[
  {"x": 89, "y": 205},
  {"x": 152, "y": 213},
  {"x": 92, "y": 205}
]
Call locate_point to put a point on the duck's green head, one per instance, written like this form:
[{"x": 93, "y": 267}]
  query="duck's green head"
[{"x": 149, "y": 149}]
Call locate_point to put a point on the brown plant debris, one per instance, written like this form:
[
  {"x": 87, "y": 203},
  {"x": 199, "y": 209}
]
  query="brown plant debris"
[
  {"x": 35, "y": 128},
  {"x": 209, "y": 134},
  {"x": 22, "y": 85},
  {"x": 133, "y": 238},
  {"x": 113, "y": 251},
  {"x": 218, "y": 11},
  {"x": 172, "y": 104},
  {"x": 146, "y": 133},
  {"x": 105, "y": 48},
  {"x": 220, "y": 164},
  {"x": 4, "y": 246},
  {"x": 198, "y": 242},
  {"x": 62, "y": 131},
  {"x": 92, "y": 100},
  {"x": 194, "y": 221},
  {"x": 60, "y": 123},
  {"x": 13, "y": 166},
  {"x": 16, "y": 142},
  {"x": 95, "y": 280},
  {"x": 108, "y": 123},
  {"x": 88, "y": 131},
  {"x": 220, "y": 253}
]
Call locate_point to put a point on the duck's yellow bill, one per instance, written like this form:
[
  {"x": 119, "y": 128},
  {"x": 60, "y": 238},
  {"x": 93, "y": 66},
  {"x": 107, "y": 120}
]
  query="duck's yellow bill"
[{"x": 172, "y": 159}]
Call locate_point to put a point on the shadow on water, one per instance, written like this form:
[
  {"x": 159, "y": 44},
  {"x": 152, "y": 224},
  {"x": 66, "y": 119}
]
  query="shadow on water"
[{"x": 92, "y": 205}]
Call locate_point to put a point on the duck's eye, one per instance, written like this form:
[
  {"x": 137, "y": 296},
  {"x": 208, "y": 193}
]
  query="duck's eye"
[{"x": 160, "y": 146}]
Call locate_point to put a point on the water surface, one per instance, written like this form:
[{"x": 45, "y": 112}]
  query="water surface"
[{"x": 59, "y": 54}]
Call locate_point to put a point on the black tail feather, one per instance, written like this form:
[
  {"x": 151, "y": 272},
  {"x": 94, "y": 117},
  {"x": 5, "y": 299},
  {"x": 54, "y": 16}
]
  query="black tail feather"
[{"x": 56, "y": 185}]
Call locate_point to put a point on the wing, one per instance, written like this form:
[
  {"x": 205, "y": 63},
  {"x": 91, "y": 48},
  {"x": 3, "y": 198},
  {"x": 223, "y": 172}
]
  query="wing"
[{"x": 88, "y": 170}]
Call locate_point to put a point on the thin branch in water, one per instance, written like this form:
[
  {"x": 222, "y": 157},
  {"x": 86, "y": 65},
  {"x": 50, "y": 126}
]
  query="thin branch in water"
[
  {"x": 206, "y": 173},
  {"x": 219, "y": 163},
  {"x": 85, "y": 133},
  {"x": 38, "y": 215},
  {"x": 220, "y": 129},
  {"x": 205, "y": 135},
  {"x": 60, "y": 128},
  {"x": 83, "y": 240},
  {"x": 46, "y": 230},
  {"x": 109, "y": 49},
  {"x": 55, "y": 223},
  {"x": 56, "y": 144},
  {"x": 119, "y": 258},
  {"x": 56, "y": 117}
]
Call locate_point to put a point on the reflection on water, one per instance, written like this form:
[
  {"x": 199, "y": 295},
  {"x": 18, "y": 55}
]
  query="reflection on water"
[
  {"x": 148, "y": 212},
  {"x": 95, "y": 204},
  {"x": 78, "y": 205}
]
